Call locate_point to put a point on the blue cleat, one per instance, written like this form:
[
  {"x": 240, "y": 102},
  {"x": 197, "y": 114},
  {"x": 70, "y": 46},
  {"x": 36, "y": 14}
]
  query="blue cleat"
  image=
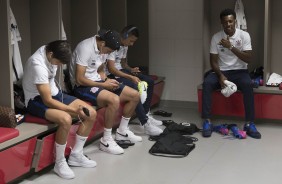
[
  {"x": 251, "y": 130},
  {"x": 239, "y": 134},
  {"x": 207, "y": 128},
  {"x": 222, "y": 129}
]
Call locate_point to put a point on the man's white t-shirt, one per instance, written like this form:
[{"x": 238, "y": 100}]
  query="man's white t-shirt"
[
  {"x": 118, "y": 55},
  {"x": 38, "y": 70},
  {"x": 227, "y": 60},
  {"x": 87, "y": 54}
]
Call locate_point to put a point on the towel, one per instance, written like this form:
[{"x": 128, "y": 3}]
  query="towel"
[
  {"x": 229, "y": 89},
  {"x": 241, "y": 18},
  {"x": 16, "y": 55}
]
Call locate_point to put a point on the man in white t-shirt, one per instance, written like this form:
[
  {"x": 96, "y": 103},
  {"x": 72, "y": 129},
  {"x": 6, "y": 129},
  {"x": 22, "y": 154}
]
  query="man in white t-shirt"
[
  {"x": 91, "y": 84},
  {"x": 230, "y": 54},
  {"x": 45, "y": 100},
  {"x": 120, "y": 70}
]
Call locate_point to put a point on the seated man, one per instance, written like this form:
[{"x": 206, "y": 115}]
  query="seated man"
[
  {"x": 91, "y": 84},
  {"x": 230, "y": 53},
  {"x": 45, "y": 100},
  {"x": 120, "y": 70}
]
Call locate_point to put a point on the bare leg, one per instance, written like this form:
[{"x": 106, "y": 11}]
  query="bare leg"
[
  {"x": 131, "y": 98},
  {"x": 111, "y": 102}
]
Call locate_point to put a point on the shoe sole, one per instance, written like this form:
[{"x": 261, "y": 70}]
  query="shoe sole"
[
  {"x": 207, "y": 134},
  {"x": 153, "y": 134},
  {"x": 124, "y": 142},
  {"x": 106, "y": 150},
  {"x": 77, "y": 164},
  {"x": 68, "y": 178}
]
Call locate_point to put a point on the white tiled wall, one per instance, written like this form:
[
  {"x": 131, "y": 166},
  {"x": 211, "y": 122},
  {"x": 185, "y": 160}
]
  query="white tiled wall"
[{"x": 176, "y": 46}]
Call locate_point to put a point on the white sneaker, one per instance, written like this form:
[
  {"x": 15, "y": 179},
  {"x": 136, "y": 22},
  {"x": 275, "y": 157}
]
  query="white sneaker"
[
  {"x": 154, "y": 121},
  {"x": 81, "y": 160},
  {"x": 127, "y": 136},
  {"x": 63, "y": 170},
  {"x": 151, "y": 129},
  {"x": 110, "y": 146}
]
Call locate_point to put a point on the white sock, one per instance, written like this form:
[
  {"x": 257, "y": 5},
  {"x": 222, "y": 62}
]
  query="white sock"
[
  {"x": 107, "y": 134},
  {"x": 123, "y": 124},
  {"x": 60, "y": 151},
  {"x": 79, "y": 143}
]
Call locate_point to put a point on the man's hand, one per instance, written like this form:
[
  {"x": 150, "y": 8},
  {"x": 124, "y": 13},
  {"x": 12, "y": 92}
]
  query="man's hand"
[
  {"x": 222, "y": 78},
  {"x": 135, "y": 70},
  {"x": 225, "y": 42},
  {"x": 111, "y": 84},
  {"x": 83, "y": 112},
  {"x": 135, "y": 79}
]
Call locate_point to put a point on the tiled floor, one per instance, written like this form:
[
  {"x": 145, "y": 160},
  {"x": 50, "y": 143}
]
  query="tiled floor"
[{"x": 215, "y": 160}]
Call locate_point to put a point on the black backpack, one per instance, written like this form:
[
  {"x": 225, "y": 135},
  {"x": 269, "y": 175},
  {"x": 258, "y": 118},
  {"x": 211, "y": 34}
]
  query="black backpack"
[
  {"x": 172, "y": 144},
  {"x": 174, "y": 141},
  {"x": 182, "y": 128}
]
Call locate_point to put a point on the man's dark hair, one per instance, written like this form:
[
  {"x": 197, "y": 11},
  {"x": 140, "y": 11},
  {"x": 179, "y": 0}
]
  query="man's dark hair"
[
  {"x": 130, "y": 30},
  {"x": 227, "y": 12},
  {"x": 61, "y": 50}
]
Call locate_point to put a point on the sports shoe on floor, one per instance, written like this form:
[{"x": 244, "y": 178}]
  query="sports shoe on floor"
[
  {"x": 62, "y": 169},
  {"x": 128, "y": 135},
  {"x": 251, "y": 130},
  {"x": 154, "y": 121},
  {"x": 240, "y": 134},
  {"x": 81, "y": 160},
  {"x": 222, "y": 129},
  {"x": 207, "y": 129},
  {"x": 110, "y": 146},
  {"x": 151, "y": 129}
]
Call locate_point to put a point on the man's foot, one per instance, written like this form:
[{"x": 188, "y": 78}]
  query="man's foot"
[
  {"x": 207, "y": 128},
  {"x": 128, "y": 135},
  {"x": 251, "y": 130},
  {"x": 110, "y": 146},
  {"x": 80, "y": 160},
  {"x": 151, "y": 129},
  {"x": 153, "y": 120},
  {"x": 62, "y": 169}
]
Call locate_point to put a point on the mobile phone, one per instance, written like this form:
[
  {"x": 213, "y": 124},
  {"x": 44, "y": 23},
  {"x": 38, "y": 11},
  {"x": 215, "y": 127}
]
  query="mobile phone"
[{"x": 86, "y": 111}]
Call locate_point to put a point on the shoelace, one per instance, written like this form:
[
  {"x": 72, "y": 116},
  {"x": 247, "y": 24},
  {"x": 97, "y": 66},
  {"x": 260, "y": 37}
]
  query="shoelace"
[{"x": 253, "y": 127}]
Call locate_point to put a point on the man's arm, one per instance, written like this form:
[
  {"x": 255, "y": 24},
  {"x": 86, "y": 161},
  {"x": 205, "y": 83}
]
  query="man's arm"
[
  {"x": 215, "y": 68},
  {"x": 110, "y": 84},
  {"x": 113, "y": 70},
  {"x": 125, "y": 65},
  {"x": 245, "y": 56},
  {"x": 82, "y": 80},
  {"x": 45, "y": 93}
]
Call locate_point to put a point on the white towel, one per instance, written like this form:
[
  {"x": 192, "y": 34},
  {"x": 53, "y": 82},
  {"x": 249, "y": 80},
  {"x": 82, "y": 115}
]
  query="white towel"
[
  {"x": 229, "y": 89},
  {"x": 274, "y": 79},
  {"x": 16, "y": 55},
  {"x": 241, "y": 18},
  {"x": 63, "y": 33}
]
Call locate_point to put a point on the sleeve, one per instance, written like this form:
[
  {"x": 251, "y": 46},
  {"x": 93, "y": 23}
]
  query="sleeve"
[
  {"x": 112, "y": 56},
  {"x": 124, "y": 55},
  {"x": 247, "y": 45},
  {"x": 82, "y": 55},
  {"x": 213, "y": 46},
  {"x": 40, "y": 75}
]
